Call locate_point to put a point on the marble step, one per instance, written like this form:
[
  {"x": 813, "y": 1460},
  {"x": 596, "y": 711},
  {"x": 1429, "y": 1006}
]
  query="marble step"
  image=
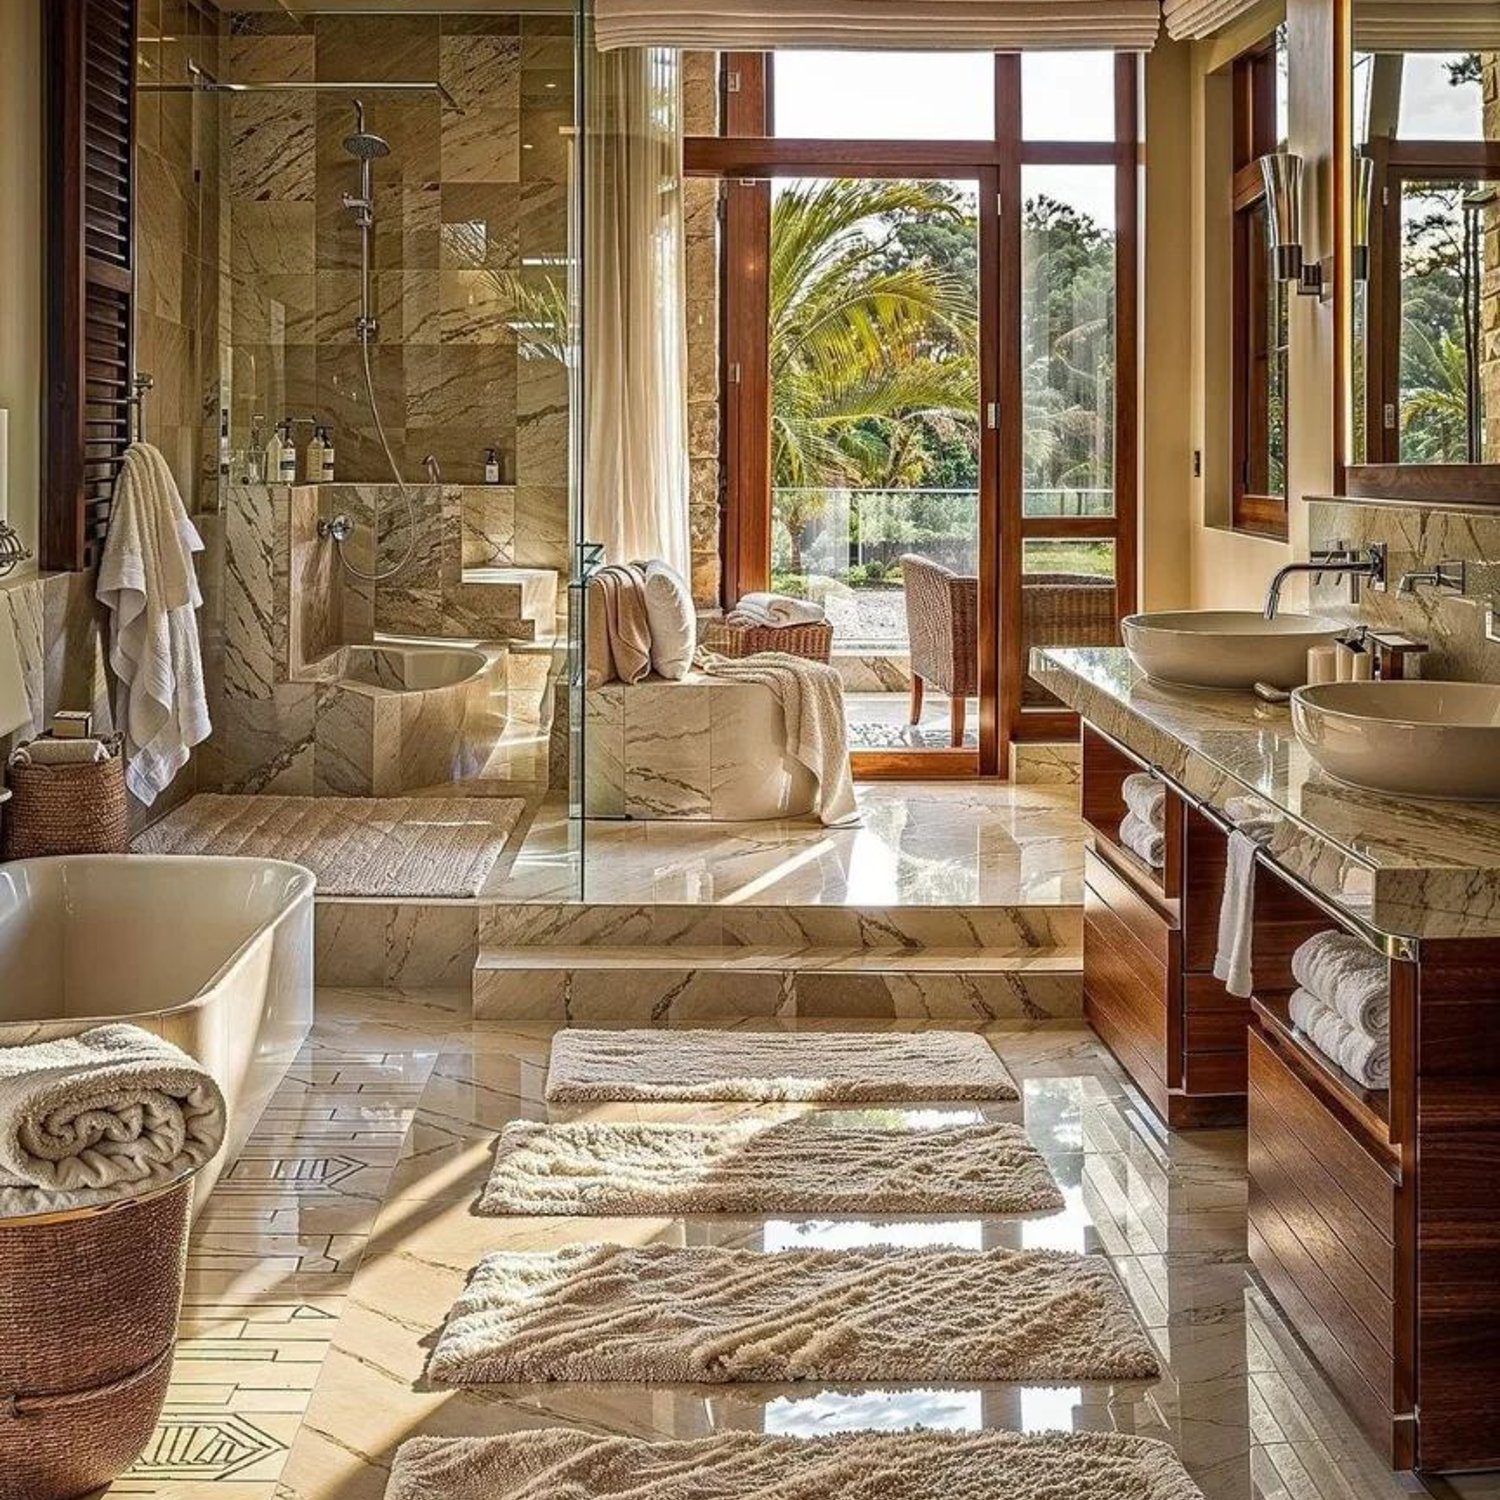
[{"x": 606, "y": 984}]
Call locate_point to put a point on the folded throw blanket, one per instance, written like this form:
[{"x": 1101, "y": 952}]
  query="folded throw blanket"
[
  {"x": 1365, "y": 1058},
  {"x": 811, "y": 695},
  {"x": 1146, "y": 797},
  {"x": 776, "y": 610},
  {"x": 1343, "y": 973},
  {"x": 60, "y": 753},
  {"x": 111, "y": 1113},
  {"x": 619, "y": 626},
  {"x": 1144, "y": 841}
]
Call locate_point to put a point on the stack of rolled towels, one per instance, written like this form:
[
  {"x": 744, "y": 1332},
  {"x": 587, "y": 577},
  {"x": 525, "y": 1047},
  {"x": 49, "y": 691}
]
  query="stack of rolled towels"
[
  {"x": 1343, "y": 1005},
  {"x": 108, "y": 1114},
  {"x": 776, "y": 610},
  {"x": 59, "y": 752},
  {"x": 1143, "y": 829}
]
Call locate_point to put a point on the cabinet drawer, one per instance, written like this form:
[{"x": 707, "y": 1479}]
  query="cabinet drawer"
[
  {"x": 1213, "y": 1020},
  {"x": 1140, "y": 919}
]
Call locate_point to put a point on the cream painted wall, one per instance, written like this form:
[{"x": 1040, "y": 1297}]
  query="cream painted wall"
[{"x": 21, "y": 254}]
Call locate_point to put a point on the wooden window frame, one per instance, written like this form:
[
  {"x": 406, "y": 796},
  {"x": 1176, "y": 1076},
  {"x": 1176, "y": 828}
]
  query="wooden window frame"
[
  {"x": 744, "y": 157},
  {"x": 1253, "y": 82}
]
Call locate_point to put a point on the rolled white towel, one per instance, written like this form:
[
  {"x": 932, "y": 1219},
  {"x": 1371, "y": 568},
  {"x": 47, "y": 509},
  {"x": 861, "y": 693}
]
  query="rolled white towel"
[
  {"x": 1144, "y": 841},
  {"x": 1345, "y": 974},
  {"x": 111, "y": 1113},
  {"x": 779, "y": 609},
  {"x": 60, "y": 753},
  {"x": 1365, "y": 1058},
  {"x": 1146, "y": 797}
]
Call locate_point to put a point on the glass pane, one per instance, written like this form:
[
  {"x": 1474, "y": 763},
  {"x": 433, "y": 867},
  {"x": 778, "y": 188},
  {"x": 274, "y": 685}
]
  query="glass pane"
[
  {"x": 1441, "y": 97},
  {"x": 1068, "y": 96},
  {"x": 1068, "y": 340},
  {"x": 906, "y": 96},
  {"x": 1068, "y": 598},
  {"x": 1266, "y": 355},
  {"x": 875, "y": 442},
  {"x": 1450, "y": 285}
]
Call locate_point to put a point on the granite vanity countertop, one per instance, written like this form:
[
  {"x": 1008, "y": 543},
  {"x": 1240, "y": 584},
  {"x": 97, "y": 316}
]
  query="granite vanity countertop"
[{"x": 1406, "y": 867}]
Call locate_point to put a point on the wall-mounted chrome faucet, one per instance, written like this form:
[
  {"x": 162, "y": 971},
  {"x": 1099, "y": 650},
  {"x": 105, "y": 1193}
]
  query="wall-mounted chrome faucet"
[
  {"x": 1451, "y": 575},
  {"x": 1369, "y": 565}
]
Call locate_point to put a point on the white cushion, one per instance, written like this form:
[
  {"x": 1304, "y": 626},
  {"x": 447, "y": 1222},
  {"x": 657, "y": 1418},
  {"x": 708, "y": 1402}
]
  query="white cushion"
[{"x": 674, "y": 621}]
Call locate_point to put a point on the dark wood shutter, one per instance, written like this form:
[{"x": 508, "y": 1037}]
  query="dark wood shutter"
[{"x": 91, "y": 62}]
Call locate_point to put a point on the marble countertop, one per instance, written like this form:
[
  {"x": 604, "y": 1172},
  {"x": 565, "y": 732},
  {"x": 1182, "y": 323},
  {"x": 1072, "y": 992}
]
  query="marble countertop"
[{"x": 1405, "y": 867}]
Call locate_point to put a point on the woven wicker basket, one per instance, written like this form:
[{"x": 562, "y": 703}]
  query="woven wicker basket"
[
  {"x": 815, "y": 641},
  {"x": 67, "y": 809},
  {"x": 88, "y": 1315}
]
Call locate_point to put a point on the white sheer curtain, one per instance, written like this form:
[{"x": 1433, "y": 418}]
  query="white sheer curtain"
[{"x": 635, "y": 319}]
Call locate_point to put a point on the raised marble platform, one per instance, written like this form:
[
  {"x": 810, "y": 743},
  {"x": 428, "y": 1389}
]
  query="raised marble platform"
[
  {"x": 701, "y": 748},
  {"x": 1404, "y": 867}
]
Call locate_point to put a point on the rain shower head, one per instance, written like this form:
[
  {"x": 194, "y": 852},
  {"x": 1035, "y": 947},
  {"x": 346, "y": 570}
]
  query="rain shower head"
[{"x": 365, "y": 145}]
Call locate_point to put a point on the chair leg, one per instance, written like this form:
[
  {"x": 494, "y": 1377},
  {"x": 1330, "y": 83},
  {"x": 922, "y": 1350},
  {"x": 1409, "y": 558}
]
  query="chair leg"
[
  {"x": 916, "y": 700},
  {"x": 959, "y": 704}
]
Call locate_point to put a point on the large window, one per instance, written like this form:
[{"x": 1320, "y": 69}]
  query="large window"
[
  {"x": 929, "y": 365},
  {"x": 1259, "y": 395}
]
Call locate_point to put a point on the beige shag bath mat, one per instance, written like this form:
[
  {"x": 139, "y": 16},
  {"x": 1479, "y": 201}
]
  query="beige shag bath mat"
[
  {"x": 741, "y": 1465},
  {"x": 757, "y": 1166},
  {"x": 666, "y": 1313},
  {"x": 356, "y": 846},
  {"x": 592, "y": 1067}
]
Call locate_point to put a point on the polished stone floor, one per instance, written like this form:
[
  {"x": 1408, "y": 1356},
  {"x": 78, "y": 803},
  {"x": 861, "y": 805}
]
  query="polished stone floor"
[
  {"x": 329, "y": 1256},
  {"x": 917, "y": 843}
]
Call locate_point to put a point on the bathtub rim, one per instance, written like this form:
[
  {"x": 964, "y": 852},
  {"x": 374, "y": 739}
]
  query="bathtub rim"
[{"x": 304, "y": 887}]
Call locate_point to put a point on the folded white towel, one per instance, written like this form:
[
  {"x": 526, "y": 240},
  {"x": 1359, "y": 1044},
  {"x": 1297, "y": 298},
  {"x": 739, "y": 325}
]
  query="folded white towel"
[
  {"x": 776, "y": 610},
  {"x": 108, "y": 1114},
  {"x": 1345, "y": 974},
  {"x": 60, "y": 753},
  {"x": 1144, "y": 841},
  {"x": 1146, "y": 798},
  {"x": 1232, "y": 963},
  {"x": 1365, "y": 1058}
]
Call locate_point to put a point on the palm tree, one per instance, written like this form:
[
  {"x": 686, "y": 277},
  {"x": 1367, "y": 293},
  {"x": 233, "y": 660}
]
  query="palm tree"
[{"x": 864, "y": 350}]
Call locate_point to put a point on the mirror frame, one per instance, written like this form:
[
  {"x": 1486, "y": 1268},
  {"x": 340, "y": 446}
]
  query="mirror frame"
[{"x": 1434, "y": 484}]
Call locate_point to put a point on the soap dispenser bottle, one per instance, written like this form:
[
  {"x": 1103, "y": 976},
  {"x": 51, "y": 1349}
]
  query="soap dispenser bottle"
[
  {"x": 327, "y": 474},
  {"x": 491, "y": 466},
  {"x": 315, "y": 451},
  {"x": 275, "y": 453},
  {"x": 288, "y": 468}
]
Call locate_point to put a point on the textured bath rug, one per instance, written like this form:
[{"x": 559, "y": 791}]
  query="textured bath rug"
[
  {"x": 742, "y": 1465},
  {"x": 667, "y": 1313},
  {"x": 356, "y": 846},
  {"x": 592, "y": 1067},
  {"x": 757, "y": 1166}
]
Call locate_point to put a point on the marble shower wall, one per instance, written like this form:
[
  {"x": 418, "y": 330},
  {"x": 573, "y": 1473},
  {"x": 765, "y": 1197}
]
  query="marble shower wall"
[
  {"x": 1419, "y": 538},
  {"x": 471, "y": 238}
]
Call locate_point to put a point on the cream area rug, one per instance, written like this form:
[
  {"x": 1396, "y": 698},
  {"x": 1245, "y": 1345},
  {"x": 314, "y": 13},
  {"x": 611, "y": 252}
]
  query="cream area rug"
[
  {"x": 669, "y": 1313},
  {"x": 765, "y": 1167},
  {"x": 742, "y": 1465},
  {"x": 356, "y": 846},
  {"x": 592, "y": 1067}
]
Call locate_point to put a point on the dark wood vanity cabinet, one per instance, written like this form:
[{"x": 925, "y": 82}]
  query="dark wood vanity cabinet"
[{"x": 1374, "y": 1216}]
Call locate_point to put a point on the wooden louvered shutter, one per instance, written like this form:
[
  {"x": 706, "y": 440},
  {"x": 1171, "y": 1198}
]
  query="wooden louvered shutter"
[{"x": 91, "y": 51}]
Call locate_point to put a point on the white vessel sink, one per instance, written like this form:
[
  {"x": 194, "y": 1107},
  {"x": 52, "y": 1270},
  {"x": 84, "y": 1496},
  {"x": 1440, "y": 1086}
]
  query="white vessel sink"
[
  {"x": 1224, "y": 648},
  {"x": 1417, "y": 739}
]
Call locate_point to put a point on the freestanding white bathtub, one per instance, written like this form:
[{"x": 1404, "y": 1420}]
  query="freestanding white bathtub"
[{"x": 214, "y": 954}]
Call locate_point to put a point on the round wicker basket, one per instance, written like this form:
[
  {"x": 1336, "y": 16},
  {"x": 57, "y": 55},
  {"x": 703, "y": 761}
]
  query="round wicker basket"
[
  {"x": 88, "y": 1316},
  {"x": 79, "y": 809}
]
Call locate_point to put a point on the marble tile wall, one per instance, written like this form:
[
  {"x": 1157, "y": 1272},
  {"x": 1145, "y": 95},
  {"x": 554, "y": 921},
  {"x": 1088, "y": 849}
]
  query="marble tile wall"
[
  {"x": 1419, "y": 538},
  {"x": 471, "y": 239}
]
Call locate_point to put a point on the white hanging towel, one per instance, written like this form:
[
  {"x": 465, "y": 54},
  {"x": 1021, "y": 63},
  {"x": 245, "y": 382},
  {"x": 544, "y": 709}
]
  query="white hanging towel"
[
  {"x": 146, "y": 577},
  {"x": 1232, "y": 965}
]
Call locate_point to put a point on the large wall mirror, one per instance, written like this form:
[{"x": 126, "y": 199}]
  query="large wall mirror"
[{"x": 1422, "y": 266}]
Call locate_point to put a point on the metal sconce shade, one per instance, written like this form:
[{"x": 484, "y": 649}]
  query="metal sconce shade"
[
  {"x": 1364, "y": 188},
  {"x": 1281, "y": 172}
]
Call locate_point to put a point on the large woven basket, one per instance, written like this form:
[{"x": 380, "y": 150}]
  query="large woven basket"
[
  {"x": 79, "y": 809},
  {"x": 88, "y": 1315},
  {"x": 814, "y": 641}
]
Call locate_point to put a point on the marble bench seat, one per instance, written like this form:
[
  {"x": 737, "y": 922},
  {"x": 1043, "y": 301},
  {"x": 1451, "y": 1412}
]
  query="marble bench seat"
[{"x": 704, "y": 747}]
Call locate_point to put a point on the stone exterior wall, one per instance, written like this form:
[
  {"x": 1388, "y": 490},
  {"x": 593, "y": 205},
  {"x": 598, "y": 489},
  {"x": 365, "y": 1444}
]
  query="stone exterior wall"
[{"x": 700, "y": 96}]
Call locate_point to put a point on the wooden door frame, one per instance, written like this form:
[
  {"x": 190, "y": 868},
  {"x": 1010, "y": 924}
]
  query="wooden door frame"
[{"x": 744, "y": 157}]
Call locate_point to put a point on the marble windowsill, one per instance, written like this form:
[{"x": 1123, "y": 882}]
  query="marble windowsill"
[{"x": 1405, "y": 867}]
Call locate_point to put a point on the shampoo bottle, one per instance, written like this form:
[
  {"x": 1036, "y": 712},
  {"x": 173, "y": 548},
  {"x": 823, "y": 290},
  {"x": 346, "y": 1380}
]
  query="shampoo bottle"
[
  {"x": 288, "y": 467},
  {"x": 315, "y": 451},
  {"x": 491, "y": 466},
  {"x": 327, "y": 475},
  {"x": 275, "y": 452}
]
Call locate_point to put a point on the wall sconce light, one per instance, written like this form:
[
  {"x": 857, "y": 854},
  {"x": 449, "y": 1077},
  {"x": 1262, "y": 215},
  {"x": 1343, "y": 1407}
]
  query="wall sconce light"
[
  {"x": 1364, "y": 188},
  {"x": 1281, "y": 172}
]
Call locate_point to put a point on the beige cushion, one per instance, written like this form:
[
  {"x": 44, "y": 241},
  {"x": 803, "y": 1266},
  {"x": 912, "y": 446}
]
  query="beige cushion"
[{"x": 674, "y": 621}]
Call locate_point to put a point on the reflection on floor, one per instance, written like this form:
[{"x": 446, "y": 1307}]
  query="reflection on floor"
[
  {"x": 882, "y": 721},
  {"x": 917, "y": 844},
  {"x": 331, "y": 1254}
]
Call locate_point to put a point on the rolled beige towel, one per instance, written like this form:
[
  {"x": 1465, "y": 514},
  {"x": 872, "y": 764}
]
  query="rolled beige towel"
[
  {"x": 111, "y": 1113},
  {"x": 49, "y": 752},
  {"x": 1144, "y": 841},
  {"x": 1146, "y": 799}
]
